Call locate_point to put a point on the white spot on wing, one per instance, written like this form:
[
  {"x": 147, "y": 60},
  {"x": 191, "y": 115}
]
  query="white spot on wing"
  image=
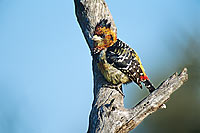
[{"x": 137, "y": 80}]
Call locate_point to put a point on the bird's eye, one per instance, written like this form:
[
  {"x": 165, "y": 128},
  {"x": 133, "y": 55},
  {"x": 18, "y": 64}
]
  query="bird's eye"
[{"x": 111, "y": 37}]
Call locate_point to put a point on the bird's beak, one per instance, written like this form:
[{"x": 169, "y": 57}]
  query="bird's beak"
[{"x": 96, "y": 38}]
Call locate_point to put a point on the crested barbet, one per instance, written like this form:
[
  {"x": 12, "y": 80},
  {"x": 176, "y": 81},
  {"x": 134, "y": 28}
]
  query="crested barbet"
[{"x": 117, "y": 61}]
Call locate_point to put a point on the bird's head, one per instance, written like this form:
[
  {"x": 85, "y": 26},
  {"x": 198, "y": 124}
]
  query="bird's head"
[{"x": 103, "y": 35}]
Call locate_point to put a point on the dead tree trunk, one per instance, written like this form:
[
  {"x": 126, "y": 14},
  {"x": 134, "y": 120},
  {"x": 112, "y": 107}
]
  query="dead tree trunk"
[{"x": 108, "y": 114}]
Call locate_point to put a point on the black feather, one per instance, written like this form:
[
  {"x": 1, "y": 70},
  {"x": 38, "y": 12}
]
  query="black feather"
[{"x": 128, "y": 65}]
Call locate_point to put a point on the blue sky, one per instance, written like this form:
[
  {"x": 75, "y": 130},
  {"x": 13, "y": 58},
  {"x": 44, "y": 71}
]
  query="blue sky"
[{"x": 45, "y": 64}]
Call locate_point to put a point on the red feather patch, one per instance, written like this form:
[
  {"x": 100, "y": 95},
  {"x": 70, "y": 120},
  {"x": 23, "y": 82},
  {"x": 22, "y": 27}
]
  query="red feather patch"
[{"x": 144, "y": 77}]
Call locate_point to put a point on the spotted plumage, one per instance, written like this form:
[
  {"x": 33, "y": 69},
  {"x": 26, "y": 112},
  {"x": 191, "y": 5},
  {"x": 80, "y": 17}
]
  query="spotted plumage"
[{"x": 118, "y": 62}]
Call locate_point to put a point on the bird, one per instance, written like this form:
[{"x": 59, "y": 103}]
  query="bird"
[{"x": 116, "y": 60}]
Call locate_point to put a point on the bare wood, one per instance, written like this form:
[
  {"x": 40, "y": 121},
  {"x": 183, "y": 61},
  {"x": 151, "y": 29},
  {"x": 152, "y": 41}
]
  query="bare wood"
[{"x": 108, "y": 113}]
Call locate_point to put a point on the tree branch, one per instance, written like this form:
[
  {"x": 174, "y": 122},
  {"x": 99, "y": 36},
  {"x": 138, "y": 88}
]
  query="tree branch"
[
  {"x": 108, "y": 113},
  {"x": 154, "y": 101}
]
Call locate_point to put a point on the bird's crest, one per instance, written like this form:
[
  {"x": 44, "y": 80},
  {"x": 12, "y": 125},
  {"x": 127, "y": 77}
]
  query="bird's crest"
[{"x": 103, "y": 23}]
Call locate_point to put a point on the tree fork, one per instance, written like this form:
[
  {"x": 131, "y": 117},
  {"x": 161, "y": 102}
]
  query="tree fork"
[{"x": 108, "y": 113}]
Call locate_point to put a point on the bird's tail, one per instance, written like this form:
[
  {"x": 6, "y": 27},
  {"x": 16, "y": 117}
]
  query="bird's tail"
[{"x": 149, "y": 85}]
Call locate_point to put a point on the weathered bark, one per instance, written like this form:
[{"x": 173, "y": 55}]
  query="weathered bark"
[{"x": 108, "y": 113}]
